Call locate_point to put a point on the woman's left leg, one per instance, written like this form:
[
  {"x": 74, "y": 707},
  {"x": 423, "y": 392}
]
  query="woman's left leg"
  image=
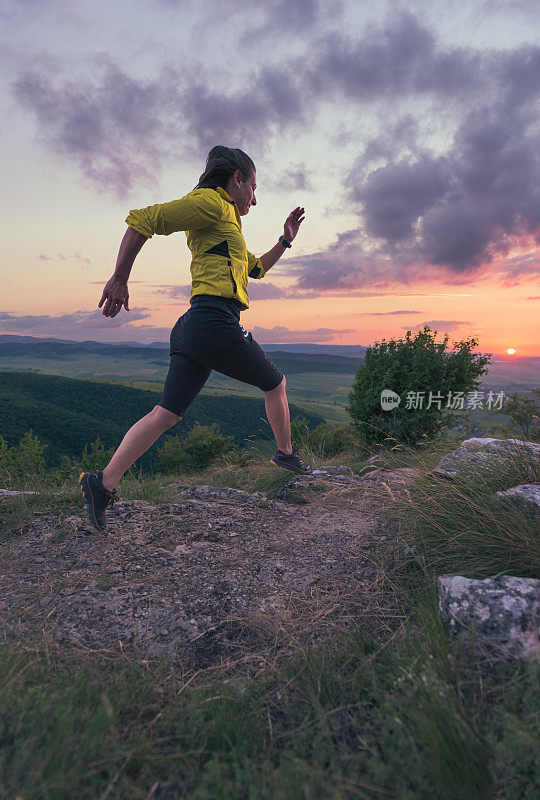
[
  {"x": 137, "y": 440},
  {"x": 184, "y": 381}
]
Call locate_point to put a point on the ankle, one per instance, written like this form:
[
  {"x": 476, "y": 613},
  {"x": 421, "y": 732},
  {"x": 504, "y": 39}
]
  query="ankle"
[
  {"x": 107, "y": 484},
  {"x": 286, "y": 450}
]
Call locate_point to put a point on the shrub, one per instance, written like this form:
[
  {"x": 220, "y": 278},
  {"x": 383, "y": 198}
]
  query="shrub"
[
  {"x": 324, "y": 440},
  {"x": 524, "y": 411},
  {"x": 97, "y": 457},
  {"x": 195, "y": 451},
  {"x": 409, "y": 367},
  {"x": 23, "y": 461}
]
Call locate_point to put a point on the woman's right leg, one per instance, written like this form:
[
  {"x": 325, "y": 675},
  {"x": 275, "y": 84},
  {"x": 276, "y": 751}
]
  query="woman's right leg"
[{"x": 137, "y": 440}]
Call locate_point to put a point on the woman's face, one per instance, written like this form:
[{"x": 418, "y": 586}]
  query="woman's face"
[{"x": 245, "y": 192}]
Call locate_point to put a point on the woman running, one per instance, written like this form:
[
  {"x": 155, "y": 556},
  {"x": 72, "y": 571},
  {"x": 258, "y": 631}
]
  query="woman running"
[{"x": 209, "y": 335}]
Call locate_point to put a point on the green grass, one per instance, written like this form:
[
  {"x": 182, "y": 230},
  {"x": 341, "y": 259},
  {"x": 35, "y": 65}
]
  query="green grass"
[
  {"x": 404, "y": 720},
  {"x": 461, "y": 525},
  {"x": 408, "y": 715}
]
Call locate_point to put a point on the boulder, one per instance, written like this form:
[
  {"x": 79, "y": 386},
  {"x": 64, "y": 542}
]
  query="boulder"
[
  {"x": 499, "y": 616},
  {"x": 526, "y": 495},
  {"x": 487, "y": 455}
]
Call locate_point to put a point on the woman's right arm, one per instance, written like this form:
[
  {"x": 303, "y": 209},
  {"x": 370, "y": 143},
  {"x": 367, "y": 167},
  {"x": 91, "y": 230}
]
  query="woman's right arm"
[
  {"x": 115, "y": 294},
  {"x": 198, "y": 209}
]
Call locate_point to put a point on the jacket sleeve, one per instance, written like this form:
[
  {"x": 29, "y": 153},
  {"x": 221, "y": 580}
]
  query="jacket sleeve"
[
  {"x": 255, "y": 267},
  {"x": 198, "y": 209}
]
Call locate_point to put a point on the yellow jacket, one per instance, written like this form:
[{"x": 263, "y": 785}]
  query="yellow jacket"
[{"x": 220, "y": 261}]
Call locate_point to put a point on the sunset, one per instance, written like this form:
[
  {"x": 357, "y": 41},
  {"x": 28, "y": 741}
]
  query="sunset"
[
  {"x": 270, "y": 399},
  {"x": 408, "y": 135}
]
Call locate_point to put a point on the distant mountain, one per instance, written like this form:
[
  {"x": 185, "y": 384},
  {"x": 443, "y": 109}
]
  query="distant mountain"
[{"x": 350, "y": 350}]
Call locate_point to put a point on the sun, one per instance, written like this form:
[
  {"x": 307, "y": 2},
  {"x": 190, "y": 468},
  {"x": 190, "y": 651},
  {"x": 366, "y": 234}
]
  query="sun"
[{"x": 511, "y": 351}]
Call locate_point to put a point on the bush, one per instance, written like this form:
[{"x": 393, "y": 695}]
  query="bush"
[
  {"x": 524, "y": 411},
  {"x": 413, "y": 367},
  {"x": 324, "y": 440},
  {"x": 195, "y": 451},
  {"x": 23, "y": 461},
  {"x": 97, "y": 457}
]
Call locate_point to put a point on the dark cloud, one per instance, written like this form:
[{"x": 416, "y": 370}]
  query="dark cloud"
[
  {"x": 120, "y": 131},
  {"x": 397, "y": 58},
  {"x": 283, "y": 19},
  {"x": 112, "y": 127},
  {"x": 449, "y": 217},
  {"x": 274, "y": 102}
]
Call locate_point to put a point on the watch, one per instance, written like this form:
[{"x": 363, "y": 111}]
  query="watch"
[{"x": 284, "y": 241}]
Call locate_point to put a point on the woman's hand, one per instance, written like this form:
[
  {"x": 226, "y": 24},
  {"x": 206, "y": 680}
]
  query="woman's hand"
[
  {"x": 292, "y": 223},
  {"x": 115, "y": 295}
]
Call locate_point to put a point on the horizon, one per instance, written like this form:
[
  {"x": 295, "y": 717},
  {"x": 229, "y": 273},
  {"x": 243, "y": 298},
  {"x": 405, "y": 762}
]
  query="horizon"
[
  {"x": 165, "y": 344},
  {"x": 407, "y": 130}
]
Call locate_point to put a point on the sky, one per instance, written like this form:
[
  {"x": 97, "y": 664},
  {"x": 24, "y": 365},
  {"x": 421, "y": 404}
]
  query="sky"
[{"x": 409, "y": 131}]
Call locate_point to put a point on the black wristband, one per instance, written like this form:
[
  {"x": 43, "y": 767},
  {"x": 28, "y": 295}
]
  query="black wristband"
[{"x": 284, "y": 241}]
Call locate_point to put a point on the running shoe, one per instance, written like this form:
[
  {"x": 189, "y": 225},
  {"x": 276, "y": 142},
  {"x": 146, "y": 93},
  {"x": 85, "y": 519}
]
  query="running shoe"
[
  {"x": 96, "y": 497},
  {"x": 290, "y": 461}
]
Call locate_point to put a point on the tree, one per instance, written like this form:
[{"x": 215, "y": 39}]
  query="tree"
[
  {"x": 196, "y": 451},
  {"x": 412, "y": 368},
  {"x": 523, "y": 411}
]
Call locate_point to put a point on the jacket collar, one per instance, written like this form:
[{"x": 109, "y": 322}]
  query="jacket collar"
[{"x": 221, "y": 191}]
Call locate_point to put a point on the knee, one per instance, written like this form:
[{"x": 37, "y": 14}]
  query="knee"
[
  {"x": 166, "y": 419},
  {"x": 279, "y": 388}
]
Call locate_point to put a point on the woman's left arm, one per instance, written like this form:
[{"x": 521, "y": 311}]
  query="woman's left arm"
[{"x": 290, "y": 229}]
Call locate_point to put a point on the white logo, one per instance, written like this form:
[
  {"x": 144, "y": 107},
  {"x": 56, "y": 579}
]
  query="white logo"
[
  {"x": 246, "y": 333},
  {"x": 389, "y": 400}
]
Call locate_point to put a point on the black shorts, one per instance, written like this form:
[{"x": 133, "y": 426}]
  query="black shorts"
[{"x": 209, "y": 336}]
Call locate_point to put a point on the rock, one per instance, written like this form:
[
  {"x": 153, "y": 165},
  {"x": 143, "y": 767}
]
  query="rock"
[
  {"x": 499, "y": 616},
  {"x": 373, "y": 459},
  {"x": 9, "y": 493},
  {"x": 317, "y": 480},
  {"x": 213, "y": 493},
  {"x": 487, "y": 455},
  {"x": 527, "y": 495}
]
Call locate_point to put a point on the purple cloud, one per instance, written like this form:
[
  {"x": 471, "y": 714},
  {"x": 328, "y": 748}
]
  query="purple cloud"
[
  {"x": 282, "y": 334},
  {"x": 82, "y": 325}
]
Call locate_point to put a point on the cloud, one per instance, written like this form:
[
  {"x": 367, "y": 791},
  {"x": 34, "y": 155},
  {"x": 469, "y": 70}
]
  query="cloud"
[
  {"x": 295, "y": 177},
  {"x": 387, "y": 313},
  {"x": 113, "y": 128},
  {"x": 452, "y": 217},
  {"x": 283, "y": 18},
  {"x": 282, "y": 334},
  {"x": 77, "y": 257},
  {"x": 120, "y": 130},
  {"x": 400, "y": 57},
  {"x": 81, "y": 325},
  {"x": 437, "y": 324}
]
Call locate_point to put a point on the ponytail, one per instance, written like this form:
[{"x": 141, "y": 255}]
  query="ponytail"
[{"x": 221, "y": 163}]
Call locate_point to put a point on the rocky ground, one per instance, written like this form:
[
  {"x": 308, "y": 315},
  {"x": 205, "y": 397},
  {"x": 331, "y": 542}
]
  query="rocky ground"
[{"x": 215, "y": 577}]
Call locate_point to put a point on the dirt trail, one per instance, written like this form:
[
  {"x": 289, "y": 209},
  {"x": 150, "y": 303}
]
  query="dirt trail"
[{"x": 215, "y": 577}]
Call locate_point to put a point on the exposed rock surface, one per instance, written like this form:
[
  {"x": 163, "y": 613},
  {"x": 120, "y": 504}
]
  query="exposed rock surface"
[
  {"x": 489, "y": 455},
  {"x": 527, "y": 495},
  {"x": 204, "y": 577},
  {"x": 10, "y": 493},
  {"x": 499, "y": 616}
]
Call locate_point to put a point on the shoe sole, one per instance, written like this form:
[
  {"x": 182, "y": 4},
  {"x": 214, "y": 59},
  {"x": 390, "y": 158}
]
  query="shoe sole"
[
  {"x": 291, "y": 469},
  {"x": 94, "y": 521}
]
